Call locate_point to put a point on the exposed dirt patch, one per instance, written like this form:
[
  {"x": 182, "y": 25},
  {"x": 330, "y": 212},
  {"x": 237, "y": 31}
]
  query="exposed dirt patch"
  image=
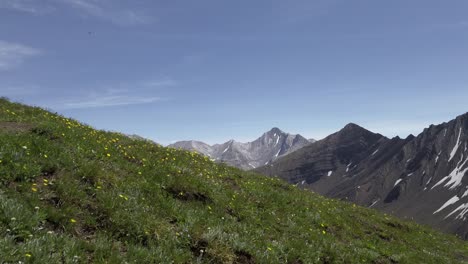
[
  {"x": 282, "y": 186},
  {"x": 397, "y": 226},
  {"x": 188, "y": 196},
  {"x": 232, "y": 213},
  {"x": 44, "y": 133},
  {"x": 326, "y": 260},
  {"x": 199, "y": 248},
  {"x": 384, "y": 260},
  {"x": 133, "y": 160},
  {"x": 296, "y": 261},
  {"x": 384, "y": 236},
  {"x": 14, "y": 127},
  {"x": 55, "y": 201},
  {"x": 86, "y": 231},
  {"x": 232, "y": 183},
  {"x": 243, "y": 257},
  {"x": 49, "y": 171}
]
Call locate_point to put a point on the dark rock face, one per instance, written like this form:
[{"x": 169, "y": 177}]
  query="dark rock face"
[
  {"x": 423, "y": 177},
  {"x": 267, "y": 148}
]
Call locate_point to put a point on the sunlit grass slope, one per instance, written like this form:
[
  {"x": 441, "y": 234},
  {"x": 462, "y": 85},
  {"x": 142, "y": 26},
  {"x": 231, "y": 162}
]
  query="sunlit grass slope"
[{"x": 73, "y": 194}]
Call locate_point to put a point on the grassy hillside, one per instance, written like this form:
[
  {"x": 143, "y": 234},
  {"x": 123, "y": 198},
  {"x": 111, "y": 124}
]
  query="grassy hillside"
[{"x": 73, "y": 194}]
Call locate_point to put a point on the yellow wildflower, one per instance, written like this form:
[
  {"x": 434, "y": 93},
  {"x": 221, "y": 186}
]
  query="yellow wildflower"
[{"x": 72, "y": 220}]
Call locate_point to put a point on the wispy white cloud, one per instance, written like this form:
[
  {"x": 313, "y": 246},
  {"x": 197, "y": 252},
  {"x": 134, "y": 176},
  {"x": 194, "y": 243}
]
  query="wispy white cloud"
[
  {"x": 110, "y": 100},
  {"x": 110, "y": 97},
  {"x": 27, "y": 6},
  {"x": 300, "y": 11},
  {"x": 161, "y": 83},
  {"x": 459, "y": 25},
  {"x": 104, "y": 10},
  {"x": 19, "y": 90},
  {"x": 13, "y": 54}
]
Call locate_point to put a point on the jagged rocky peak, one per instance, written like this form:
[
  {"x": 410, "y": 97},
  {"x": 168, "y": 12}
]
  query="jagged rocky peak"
[
  {"x": 352, "y": 126},
  {"x": 275, "y": 130},
  {"x": 270, "y": 146},
  {"x": 352, "y": 133},
  {"x": 272, "y": 135},
  {"x": 463, "y": 117},
  {"x": 354, "y": 129}
]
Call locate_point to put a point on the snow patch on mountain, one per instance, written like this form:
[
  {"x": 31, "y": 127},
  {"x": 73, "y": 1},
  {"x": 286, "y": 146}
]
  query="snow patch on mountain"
[
  {"x": 455, "y": 148},
  {"x": 437, "y": 158},
  {"x": 276, "y": 155},
  {"x": 449, "y": 202},
  {"x": 455, "y": 177},
  {"x": 226, "y": 149},
  {"x": 397, "y": 182},
  {"x": 374, "y": 203},
  {"x": 347, "y": 167},
  {"x": 464, "y": 210}
]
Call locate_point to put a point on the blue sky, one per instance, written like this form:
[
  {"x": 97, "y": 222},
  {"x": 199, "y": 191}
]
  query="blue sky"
[{"x": 216, "y": 70}]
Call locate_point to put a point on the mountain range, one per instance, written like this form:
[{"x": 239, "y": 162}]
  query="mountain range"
[
  {"x": 72, "y": 194},
  {"x": 262, "y": 151},
  {"x": 419, "y": 177}
]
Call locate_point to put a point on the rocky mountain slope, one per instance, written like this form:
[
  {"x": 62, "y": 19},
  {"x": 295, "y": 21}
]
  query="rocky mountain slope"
[
  {"x": 267, "y": 148},
  {"x": 422, "y": 178}
]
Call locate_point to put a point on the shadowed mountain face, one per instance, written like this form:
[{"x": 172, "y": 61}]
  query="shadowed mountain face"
[
  {"x": 267, "y": 148},
  {"x": 421, "y": 177}
]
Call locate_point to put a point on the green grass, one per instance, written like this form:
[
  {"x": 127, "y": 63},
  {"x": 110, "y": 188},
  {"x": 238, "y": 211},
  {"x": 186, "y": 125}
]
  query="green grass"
[{"x": 73, "y": 194}]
